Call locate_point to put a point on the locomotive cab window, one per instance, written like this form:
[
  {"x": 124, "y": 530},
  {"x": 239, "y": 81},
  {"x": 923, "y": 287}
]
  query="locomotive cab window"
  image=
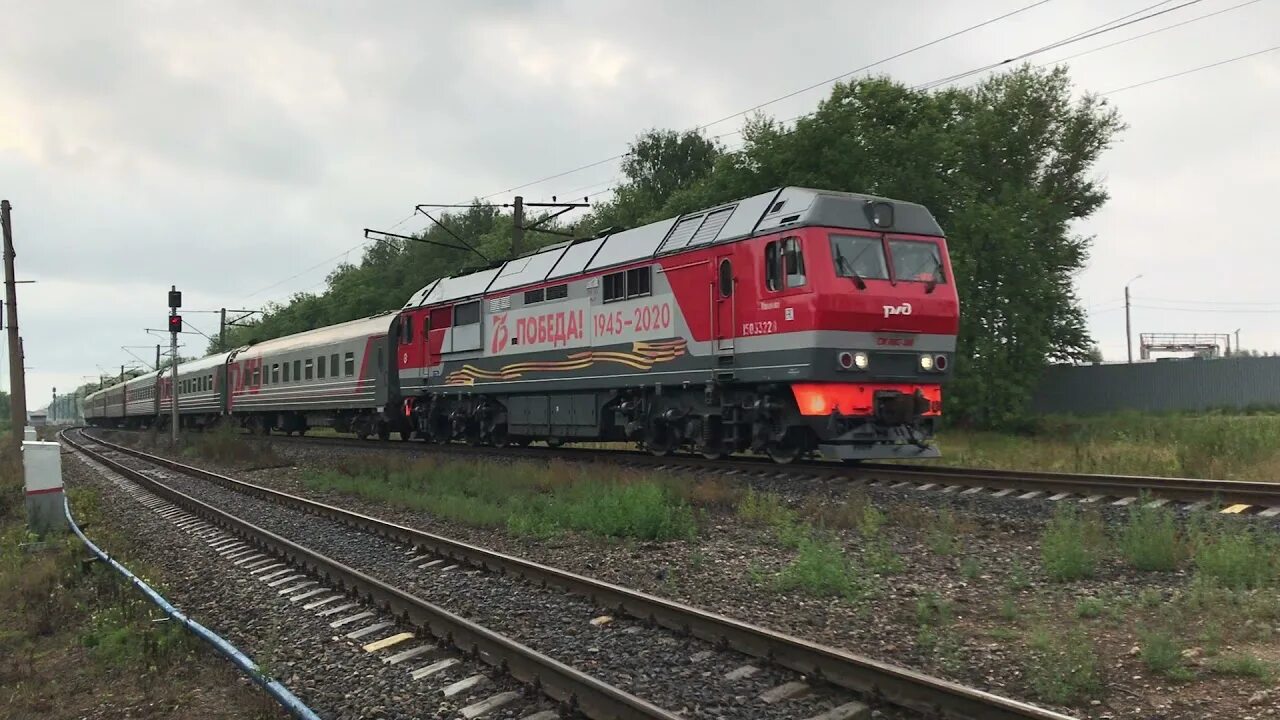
[
  {"x": 726, "y": 278},
  {"x": 857, "y": 256},
  {"x": 406, "y": 330},
  {"x": 916, "y": 261}
]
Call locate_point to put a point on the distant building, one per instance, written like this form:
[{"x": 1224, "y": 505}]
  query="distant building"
[{"x": 38, "y": 417}]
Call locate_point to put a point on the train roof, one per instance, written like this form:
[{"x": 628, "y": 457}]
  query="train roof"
[
  {"x": 352, "y": 329},
  {"x": 757, "y": 215}
]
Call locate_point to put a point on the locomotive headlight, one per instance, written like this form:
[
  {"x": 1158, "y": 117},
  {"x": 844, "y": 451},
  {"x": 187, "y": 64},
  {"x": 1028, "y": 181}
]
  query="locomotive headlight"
[
  {"x": 926, "y": 362},
  {"x": 861, "y": 361}
]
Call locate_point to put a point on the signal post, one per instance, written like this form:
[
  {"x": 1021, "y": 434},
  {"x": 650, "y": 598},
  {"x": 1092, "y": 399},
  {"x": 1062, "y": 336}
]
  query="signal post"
[{"x": 175, "y": 327}]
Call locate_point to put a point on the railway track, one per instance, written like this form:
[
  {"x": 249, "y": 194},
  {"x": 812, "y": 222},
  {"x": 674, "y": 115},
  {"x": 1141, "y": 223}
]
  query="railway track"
[
  {"x": 795, "y": 670},
  {"x": 1229, "y": 496}
]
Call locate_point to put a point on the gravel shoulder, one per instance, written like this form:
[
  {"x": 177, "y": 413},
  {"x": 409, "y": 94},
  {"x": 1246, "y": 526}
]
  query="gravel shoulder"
[{"x": 970, "y": 601}]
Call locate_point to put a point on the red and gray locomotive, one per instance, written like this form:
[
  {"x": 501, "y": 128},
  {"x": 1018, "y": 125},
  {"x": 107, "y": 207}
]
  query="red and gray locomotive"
[{"x": 788, "y": 323}]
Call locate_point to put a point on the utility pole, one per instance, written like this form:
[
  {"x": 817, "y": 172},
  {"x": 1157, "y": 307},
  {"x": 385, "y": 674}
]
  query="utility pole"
[
  {"x": 222, "y": 332},
  {"x": 517, "y": 229},
  {"x": 159, "y": 377},
  {"x": 175, "y": 327},
  {"x": 17, "y": 380},
  {"x": 1128, "y": 333},
  {"x": 1237, "y": 341}
]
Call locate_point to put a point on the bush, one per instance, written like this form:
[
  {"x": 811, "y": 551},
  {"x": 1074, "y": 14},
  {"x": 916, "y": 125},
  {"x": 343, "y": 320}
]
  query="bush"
[
  {"x": 822, "y": 569},
  {"x": 1163, "y": 654},
  {"x": 1244, "y": 666},
  {"x": 1149, "y": 540},
  {"x": 1072, "y": 545},
  {"x": 1234, "y": 555},
  {"x": 1065, "y": 669}
]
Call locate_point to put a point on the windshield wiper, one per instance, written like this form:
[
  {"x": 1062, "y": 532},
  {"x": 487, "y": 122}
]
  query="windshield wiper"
[
  {"x": 932, "y": 285},
  {"x": 843, "y": 265}
]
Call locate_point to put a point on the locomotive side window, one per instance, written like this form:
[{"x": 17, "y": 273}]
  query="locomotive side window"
[
  {"x": 772, "y": 267},
  {"x": 467, "y": 313},
  {"x": 726, "y": 278},
  {"x": 628, "y": 284},
  {"x": 793, "y": 262},
  {"x": 859, "y": 257},
  {"x": 915, "y": 261},
  {"x": 535, "y": 296},
  {"x": 406, "y": 331},
  {"x": 349, "y": 365},
  {"x": 557, "y": 292},
  {"x": 320, "y": 367}
]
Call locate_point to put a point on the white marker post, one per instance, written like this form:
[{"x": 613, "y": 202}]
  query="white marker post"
[{"x": 42, "y": 463}]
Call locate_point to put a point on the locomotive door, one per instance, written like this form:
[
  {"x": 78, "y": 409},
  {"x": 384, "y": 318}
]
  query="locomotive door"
[{"x": 722, "y": 292}]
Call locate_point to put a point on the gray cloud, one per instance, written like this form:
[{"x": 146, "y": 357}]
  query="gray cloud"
[{"x": 224, "y": 147}]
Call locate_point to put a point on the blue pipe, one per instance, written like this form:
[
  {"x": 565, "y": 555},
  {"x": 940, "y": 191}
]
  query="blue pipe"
[{"x": 282, "y": 695}]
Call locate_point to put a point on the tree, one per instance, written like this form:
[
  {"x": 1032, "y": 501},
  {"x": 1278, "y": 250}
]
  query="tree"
[{"x": 658, "y": 164}]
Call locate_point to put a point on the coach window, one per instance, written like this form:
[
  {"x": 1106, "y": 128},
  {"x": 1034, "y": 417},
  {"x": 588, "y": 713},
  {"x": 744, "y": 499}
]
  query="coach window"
[
  {"x": 349, "y": 364},
  {"x": 257, "y": 376},
  {"x": 275, "y": 373},
  {"x": 310, "y": 371},
  {"x": 320, "y": 367},
  {"x": 286, "y": 372},
  {"x": 793, "y": 262},
  {"x": 726, "y": 278},
  {"x": 333, "y": 364},
  {"x": 466, "y": 313},
  {"x": 297, "y": 371}
]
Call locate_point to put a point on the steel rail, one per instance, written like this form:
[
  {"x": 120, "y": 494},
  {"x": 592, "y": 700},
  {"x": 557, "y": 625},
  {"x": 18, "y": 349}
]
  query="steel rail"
[
  {"x": 872, "y": 678},
  {"x": 590, "y": 696},
  {"x": 1188, "y": 490}
]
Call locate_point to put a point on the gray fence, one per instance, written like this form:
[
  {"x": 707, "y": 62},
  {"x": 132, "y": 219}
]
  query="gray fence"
[{"x": 1197, "y": 384}]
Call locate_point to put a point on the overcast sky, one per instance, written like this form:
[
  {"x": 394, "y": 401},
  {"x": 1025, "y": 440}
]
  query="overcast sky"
[{"x": 237, "y": 149}]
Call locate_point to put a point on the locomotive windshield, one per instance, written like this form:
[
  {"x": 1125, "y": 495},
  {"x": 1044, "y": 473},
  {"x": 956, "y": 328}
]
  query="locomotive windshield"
[
  {"x": 864, "y": 258},
  {"x": 859, "y": 257},
  {"x": 916, "y": 261}
]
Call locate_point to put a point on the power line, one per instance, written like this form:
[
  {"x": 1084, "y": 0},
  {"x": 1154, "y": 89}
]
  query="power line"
[
  {"x": 800, "y": 91},
  {"x": 1192, "y": 70},
  {"x": 1083, "y": 35},
  {"x": 1149, "y": 33},
  {"x": 1186, "y": 301},
  {"x": 868, "y": 66},
  {"x": 1223, "y": 311}
]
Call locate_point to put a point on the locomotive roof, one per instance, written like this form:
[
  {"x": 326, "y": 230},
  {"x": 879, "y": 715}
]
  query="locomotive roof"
[
  {"x": 350, "y": 330},
  {"x": 757, "y": 215}
]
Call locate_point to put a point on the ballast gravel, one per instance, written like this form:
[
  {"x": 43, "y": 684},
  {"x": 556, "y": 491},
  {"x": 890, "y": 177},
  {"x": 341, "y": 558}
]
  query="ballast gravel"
[
  {"x": 682, "y": 674},
  {"x": 333, "y": 675}
]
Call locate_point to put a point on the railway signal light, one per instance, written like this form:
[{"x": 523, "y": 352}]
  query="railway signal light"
[{"x": 175, "y": 323}]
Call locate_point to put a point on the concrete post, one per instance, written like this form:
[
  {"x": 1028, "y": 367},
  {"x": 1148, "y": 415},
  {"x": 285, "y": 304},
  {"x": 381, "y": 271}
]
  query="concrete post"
[{"x": 42, "y": 464}]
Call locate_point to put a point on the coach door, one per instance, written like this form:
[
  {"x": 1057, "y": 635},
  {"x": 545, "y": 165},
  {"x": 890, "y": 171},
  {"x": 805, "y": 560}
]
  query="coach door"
[{"x": 723, "y": 299}]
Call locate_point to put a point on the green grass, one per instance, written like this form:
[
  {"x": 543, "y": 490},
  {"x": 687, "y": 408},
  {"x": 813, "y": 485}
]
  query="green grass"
[
  {"x": 1162, "y": 654},
  {"x": 1072, "y": 545},
  {"x": 1064, "y": 668},
  {"x": 1149, "y": 540},
  {"x": 942, "y": 536},
  {"x": 1235, "y": 556},
  {"x": 525, "y": 498},
  {"x": 823, "y": 570},
  {"x": 1089, "y": 608},
  {"x": 1233, "y": 446},
  {"x": 1245, "y": 666}
]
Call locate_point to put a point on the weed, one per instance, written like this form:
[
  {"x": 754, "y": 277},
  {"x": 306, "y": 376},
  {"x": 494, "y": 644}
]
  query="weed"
[
  {"x": 1089, "y": 608},
  {"x": 942, "y": 535},
  {"x": 931, "y": 609},
  {"x": 1235, "y": 556},
  {"x": 1150, "y": 598},
  {"x": 1149, "y": 540},
  {"x": 881, "y": 559},
  {"x": 1072, "y": 545},
  {"x": 1018, "y": 579},
  {"x": 822, "y": 569},
  {"x": 1003, "y": 634},
  {"x": 1065, "y": 667},
  {"x": 1009, "y": 608},
  {"x": 227, "y": 444},
  {"x": 970, "y": 568},
  {"x": 1245, "y": 666},
  {"x": 1163, "y": 654}
]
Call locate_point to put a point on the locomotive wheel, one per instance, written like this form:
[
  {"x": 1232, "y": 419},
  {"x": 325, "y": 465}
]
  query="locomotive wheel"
[
  {"x": 384, "y": 434},
  {"x": 786, "y": 450},
  {"x": 554, "y": 442},
  {"x": 713, "y": 454},
  {"x": 406, "y": 435},
  {"x": 519, "y": 441}
]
